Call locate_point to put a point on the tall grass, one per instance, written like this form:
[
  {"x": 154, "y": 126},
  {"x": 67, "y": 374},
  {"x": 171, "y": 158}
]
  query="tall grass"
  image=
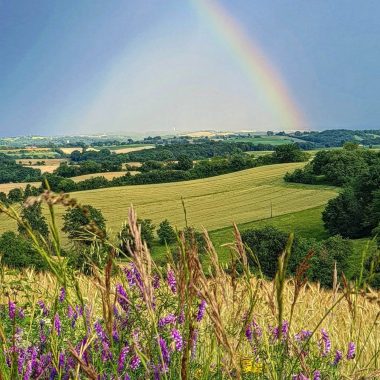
[{"x": 136, "y": 320}]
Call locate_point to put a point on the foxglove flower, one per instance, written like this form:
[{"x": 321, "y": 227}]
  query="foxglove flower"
[
  {"x": 351, "y": 351},
  {"x": 201, "y": 310},
  {"x": 177, "y": 338}
]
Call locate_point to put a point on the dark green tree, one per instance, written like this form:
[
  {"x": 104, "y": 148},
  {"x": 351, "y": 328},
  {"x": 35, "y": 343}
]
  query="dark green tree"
[
  {"x": 84, "y": 223},
  {"x": 184, "y": 162},
  {"x": 33, "y": 217},
  {"x": 166, "y": 233},
  {"x": 15, "y": 195}
]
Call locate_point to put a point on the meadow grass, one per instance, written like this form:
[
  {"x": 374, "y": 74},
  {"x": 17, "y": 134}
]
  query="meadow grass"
[{"x": 140, "y": 321}]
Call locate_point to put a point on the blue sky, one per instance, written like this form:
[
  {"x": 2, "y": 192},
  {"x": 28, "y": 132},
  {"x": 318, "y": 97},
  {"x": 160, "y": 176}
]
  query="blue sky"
[{"x": 155, "y": 65}]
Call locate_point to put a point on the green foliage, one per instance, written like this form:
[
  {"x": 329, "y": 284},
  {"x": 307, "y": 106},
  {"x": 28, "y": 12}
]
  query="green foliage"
[
  {"x": 80, "y": 221},
  {"x": 184, "y": 162},
  {"x": 18, "y": 252},
  {"x": 268, "y": 243},
  {"x": 166, "y": 233},
  {"x": 11, "y": 171},
  {"x": 32, "y": 216},
  {"x": 289, "y": 153},
  {"x": 15, "y": 195}
]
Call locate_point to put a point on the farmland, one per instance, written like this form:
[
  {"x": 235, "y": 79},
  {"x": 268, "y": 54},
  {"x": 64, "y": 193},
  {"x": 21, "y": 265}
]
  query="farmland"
[{"x": 213, "y": 203}]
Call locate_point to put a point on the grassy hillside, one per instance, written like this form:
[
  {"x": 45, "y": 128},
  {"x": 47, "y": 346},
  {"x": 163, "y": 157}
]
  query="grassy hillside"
[{"x": 214, "y": 203}]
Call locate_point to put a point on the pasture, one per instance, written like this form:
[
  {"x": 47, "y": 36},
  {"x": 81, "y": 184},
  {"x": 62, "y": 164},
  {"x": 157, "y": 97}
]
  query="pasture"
[{"x": 213, "y": 203}]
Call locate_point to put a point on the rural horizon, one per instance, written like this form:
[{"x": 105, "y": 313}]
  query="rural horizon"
[{"x": 189, "y": 190}]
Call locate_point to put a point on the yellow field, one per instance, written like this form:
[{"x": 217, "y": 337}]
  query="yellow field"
[
  {"x": 212, "y": 202},
  {"x": 6, "y": 187},
  {"x": 109, "y": 175},
  {"x": 133, "y": 149}
]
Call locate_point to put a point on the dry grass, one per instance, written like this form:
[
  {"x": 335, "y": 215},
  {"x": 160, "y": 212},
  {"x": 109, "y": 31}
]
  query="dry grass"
[
  {"x": 109, "y": 176},
  {"x": 6, "y": 187}
]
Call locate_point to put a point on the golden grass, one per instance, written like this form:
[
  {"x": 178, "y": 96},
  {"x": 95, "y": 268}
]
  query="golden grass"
[
  {"x": 311, "y": 308},
  {"x": 6, "y": 187},
  {"x": 213, "y": 202},
  {"x": 108, "y": 175},
  {"x": 133, "y": 149}
]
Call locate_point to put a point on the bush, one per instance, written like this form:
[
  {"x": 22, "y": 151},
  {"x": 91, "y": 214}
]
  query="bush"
[
  {"x": 147, "y": 235},
  {"x": 266, "y": 244},
  {"x": 166, "y": 233},
  {"x": 18, "y": 252},
  {"x": 78, "y": 219}
]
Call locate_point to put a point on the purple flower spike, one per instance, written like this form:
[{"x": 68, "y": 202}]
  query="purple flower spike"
[
  {"x": 135, "y": 362},
  {"x": 172, "y": 281},
  {"x": 156, "y": 281},
  {"x": 62, "y": 295},
  {"x": 11, "y": 309},
  {"x": 177, "y": 338},
  {"x": 57, "y": 324},
  {"x": 123, "y": 355},
  {"x": 122, "y": 297},
  {"x": 317, "y": 375},
  {"x": 201, "y": 310},
  {"x": 248, "y": 333},
  {"x": 61, "y": 360},
  {"x": 170, "y": 319},
  {"x": 326, "y": 342},
  {"x": 351, "y": 351},
  {"x": 338, "y": 357},
  {"x": 164, "y": 351}
]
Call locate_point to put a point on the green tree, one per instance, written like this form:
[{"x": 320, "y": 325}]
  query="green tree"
[
  {"x": 147, "y": 235},
  {"x": 166, "y": 233},
  {"x": 18, "y": 252},
  {"x": 184, "y": 162},
  {"x": 81, "y": 223},
  {"x": 15, "y": 195},
  {"x": 32, "y": 216},
  {"x": 289, "y": 153}
]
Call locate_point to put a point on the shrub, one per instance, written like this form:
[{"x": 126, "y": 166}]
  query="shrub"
[
  {"x": 18, "y": 252},
  {"x": 166, "y": 233}
]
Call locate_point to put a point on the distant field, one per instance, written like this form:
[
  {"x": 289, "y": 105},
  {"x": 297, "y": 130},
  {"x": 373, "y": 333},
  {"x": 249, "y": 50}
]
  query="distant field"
[
  {"x": 109, "y": 175},
  {"x": 36, "y": 153},
  {"x": 6, "y": 187},
  {"x": 71, "y": 150},
  {"x": 273, "y": 140},
  {"x": 130, "y": 148},
  {"x": 50, "y": 164},
  {"x": 214, "y": 203}
]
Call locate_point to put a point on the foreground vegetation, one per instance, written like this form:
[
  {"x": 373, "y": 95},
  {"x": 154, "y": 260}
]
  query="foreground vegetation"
[{"x": 139, "y": 320}]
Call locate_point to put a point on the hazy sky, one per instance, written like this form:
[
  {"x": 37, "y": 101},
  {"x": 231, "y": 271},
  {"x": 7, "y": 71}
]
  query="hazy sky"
[{"x": 153, "y": 65}]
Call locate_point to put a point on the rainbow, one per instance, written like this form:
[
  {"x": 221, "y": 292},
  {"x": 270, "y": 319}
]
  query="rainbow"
[{"x": 259, "y": 70}]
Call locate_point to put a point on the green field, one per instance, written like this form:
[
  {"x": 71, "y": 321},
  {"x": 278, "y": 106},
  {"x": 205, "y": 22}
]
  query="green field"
[{"x": 212, "y": 203}]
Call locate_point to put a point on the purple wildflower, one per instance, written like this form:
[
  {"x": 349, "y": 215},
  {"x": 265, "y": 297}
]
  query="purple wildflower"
[
  {"x": 201, "y": 310},
  {"x": 122, "y": 297},
  {"x": 28, "y": 370},
  {"x": 302, "y": 335},
  {"x": 164, "y": 351},
  {"x": 57, "y": 324},
  {"x": 123, "y": 354},
  {"x": 99, "y": 331},
  {"x": 284, "y": 330},
  {"x": 248, "y": 333},
  {"x": 338, "y": 357},
  {"x": 351, "y": 351},
  {"x": 193, "y": 342},
  {"x": 62, "y": 295},
  {"x": 177, "y": 338},
  {"x": 181, "y": 317},
  {"x": 167, "y": 320},
  {"x": 11, "y": 309},
  {"x": 133, "y": 276},
  {"x": 326, "y": 342},
  {"x": 317, "y": 375},
  {"x": 172, "y": 281},
  {"x": 156, "y": 281},
  {"x": 43, "y": 307},
  {"x": 300, "y": 376},
  {"x": 21, "y": 313},
  {"x": 135, "y": 362},
  {"x": 61, "y": 360}
]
